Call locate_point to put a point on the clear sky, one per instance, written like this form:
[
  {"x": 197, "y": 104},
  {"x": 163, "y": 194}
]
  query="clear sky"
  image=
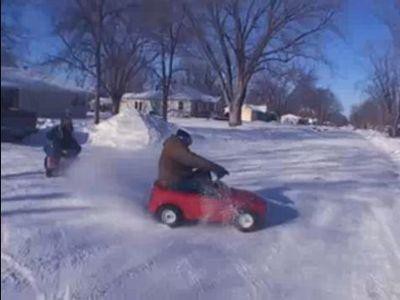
[
  {"x": 348, "y": 55},
  {"x": 362, "y": 30}
]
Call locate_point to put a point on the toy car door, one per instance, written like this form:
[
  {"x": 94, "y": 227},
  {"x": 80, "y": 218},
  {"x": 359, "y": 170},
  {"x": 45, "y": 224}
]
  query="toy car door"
[{"x": 214, "y": 208}]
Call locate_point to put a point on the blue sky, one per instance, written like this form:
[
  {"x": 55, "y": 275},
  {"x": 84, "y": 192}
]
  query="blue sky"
[{"x": 348, "y": 55}]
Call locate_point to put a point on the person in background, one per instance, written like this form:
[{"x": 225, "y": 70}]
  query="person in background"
[{"x": 60, "y": 143}]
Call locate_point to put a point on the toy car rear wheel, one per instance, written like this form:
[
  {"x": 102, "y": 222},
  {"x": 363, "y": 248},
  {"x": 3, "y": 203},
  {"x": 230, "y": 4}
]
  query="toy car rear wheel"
[
  {"x": 170, "y": 215},
  {"x": 246, "y": 221}
]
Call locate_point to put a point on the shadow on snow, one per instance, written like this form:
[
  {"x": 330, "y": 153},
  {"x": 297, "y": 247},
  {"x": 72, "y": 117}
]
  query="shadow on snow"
[
  {"x": 279, "y": 209},
  {"x": 22, "y": 174},
  {"x": 31, "y": 211},
  {"x": 35, "y": 197}
]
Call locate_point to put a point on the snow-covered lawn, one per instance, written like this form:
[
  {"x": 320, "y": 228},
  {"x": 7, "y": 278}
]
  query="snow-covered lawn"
[{"x": 334, "y": 206}]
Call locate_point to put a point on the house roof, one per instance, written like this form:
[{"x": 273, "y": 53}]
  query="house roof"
[
  {"x": 259, "y": 108},
  {"x": 18, "y": 78},
  {"x": 103, "y": 100},
  {"x": 181, "y": 93}
]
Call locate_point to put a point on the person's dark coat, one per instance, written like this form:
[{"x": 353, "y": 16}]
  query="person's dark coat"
[
  {"x": 177, "y": 163},
  {"x": 61, "y": 140}
]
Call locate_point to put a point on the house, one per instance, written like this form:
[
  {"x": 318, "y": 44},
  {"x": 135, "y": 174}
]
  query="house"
[
  {"x": 252, "y": 113},
  {"x": 106, "y": 104},
  {"x": 290, "y": 119},
  {"x": 183, "y": 101},
  {"x": 27, "y": 90}
]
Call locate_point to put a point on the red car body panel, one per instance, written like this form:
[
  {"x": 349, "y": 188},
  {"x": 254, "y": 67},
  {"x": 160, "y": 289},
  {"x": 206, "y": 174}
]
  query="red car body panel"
[{"x": 221, "y": 208}]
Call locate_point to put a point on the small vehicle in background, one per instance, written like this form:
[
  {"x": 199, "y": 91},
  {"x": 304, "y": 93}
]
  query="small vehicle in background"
[
  {"x": 56, "y": 165},
  {"x": 16, "y": 124},
  {"x": 61, "y": 144}
]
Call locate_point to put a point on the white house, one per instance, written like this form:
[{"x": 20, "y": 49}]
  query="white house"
[
  {"x": 251, "y": 112},
  {"x": 183, "y": 101},
  {"x": 105, "y": 104},
  {"x": 290, "y": 119},
  {"x": 27, "y": 90}
]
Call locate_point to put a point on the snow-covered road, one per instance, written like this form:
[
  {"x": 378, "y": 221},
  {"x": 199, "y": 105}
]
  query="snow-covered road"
[{"x": 332, "y": 233}]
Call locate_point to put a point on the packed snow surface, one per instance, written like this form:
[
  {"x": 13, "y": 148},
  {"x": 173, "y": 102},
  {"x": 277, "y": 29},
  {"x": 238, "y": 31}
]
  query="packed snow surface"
[
  {"x": 390, "y": 146},
  {"x": 332, "y": 229}
]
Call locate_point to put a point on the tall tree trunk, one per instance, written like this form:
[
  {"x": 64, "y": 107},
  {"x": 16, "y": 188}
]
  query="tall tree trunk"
[
  {"x": 98, "y": 86},
  {"x": 235, "y": 114},
  {"x": 98, "y": 62},
  {"x": 235, "y": 106},
  {"x": 116, "y": 100},
  {"x": 164, "y": 105},
  {"x": 396, "y": 129}
]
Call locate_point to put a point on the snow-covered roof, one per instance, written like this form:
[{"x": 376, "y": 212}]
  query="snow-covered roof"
[
  {"x": 19, "y": 78},
  {"x": 103, "y": 100},
  {"x": 182, "y": 93},
  {"x": 259, "y": 108},
  {"x": 290, "y": 119},
  {"x": 148, "y": 95}
]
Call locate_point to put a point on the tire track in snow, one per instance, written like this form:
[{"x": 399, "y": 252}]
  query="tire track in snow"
[
  {"x": 24, "y": 272},
  {"x": 380, "y": 280},
  {"x": 255, "y": 284},
  {"x": 100, "y": 290}
]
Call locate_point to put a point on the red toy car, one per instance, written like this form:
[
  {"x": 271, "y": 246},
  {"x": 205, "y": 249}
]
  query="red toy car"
[{"x": 244, "y": 209}]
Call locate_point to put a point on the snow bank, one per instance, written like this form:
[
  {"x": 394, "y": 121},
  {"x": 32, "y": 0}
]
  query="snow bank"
[
  {"x": 130, "y": 130},
  {"x": 389, "y": 145}
]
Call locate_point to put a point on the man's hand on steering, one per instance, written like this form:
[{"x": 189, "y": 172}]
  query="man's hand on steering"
[{"x": 221, "y": 171}]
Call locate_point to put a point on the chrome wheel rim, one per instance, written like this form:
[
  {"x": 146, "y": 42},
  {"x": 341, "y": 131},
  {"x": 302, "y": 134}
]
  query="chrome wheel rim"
[
  {"x": 168, "y": 216},
  {"x": 246, "y": 220}
]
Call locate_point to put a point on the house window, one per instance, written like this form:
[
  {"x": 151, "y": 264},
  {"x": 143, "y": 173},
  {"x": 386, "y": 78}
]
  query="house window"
[
  {"x": 136, "y": 105},
  {"x": 9, "y": 98},
  {"x": 140, "y": 106},
  {"x": 180, "y": 105}
]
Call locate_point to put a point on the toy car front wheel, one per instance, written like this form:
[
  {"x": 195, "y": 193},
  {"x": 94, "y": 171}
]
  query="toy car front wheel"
[
  {"x": 246, "y": 221},
  {"x": 48, "y": 171},
  {"x": 170, "y": 215}
]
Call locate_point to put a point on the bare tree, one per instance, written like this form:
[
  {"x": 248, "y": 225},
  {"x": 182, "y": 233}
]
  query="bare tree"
[
  {"x": 384, "y": 85},
  {"x": 389, "y": 12},
  {"x": 273, "y": 87},
  {"x": 198, "y": 74},
  {"x": 164, "y": 23},
  {"x": 309, "y": 100},
  {"x": 367, "y": 115},
  {"x": 13, "y": 35},
  {"x": 125, "y": 57},
  {"x": 239, "y": 37},
  {"x": 99, "y": 40},
  {"x": 384, "y": 88},
  {"x": 395, "y": 29}
]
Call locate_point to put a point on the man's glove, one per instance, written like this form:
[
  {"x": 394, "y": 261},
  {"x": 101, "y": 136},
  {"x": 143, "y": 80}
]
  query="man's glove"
[{"x": 221, "y": 172}]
